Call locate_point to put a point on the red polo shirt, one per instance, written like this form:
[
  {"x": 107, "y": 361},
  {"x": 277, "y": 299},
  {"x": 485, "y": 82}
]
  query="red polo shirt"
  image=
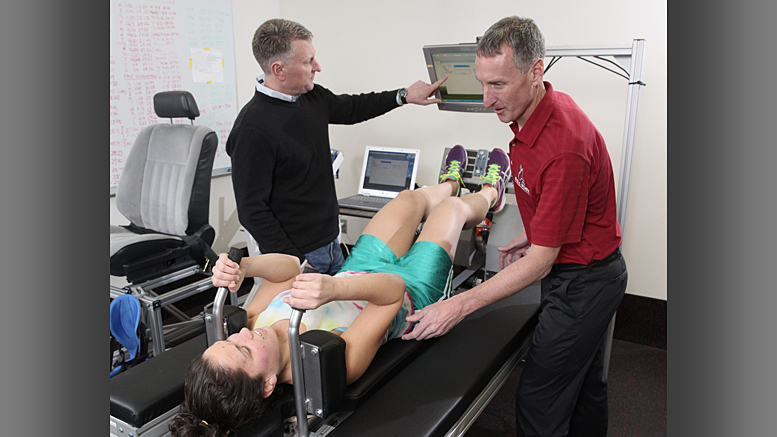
[{"x": 564, "y": 184}]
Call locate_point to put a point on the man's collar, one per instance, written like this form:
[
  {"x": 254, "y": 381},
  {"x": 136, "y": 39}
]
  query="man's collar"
[
  {"x": 538, "y": 119},
  {"x": 260, "y": 86}
]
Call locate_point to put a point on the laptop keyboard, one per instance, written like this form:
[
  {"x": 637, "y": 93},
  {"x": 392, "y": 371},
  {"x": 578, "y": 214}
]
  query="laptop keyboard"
[
  {"x": 371, "y": 199},
  {"x": 366, "y": 203}
]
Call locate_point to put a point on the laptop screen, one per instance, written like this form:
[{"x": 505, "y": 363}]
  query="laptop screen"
[{"x": 386, "y": 171}]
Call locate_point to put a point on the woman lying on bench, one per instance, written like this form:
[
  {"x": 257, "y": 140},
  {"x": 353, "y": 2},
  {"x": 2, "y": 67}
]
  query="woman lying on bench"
[{"x": 385, "y": 279}]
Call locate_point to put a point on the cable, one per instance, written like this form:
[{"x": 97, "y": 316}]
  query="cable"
[
  {"x": 602, "y": 66},
  {"x": 613, "y": 63},
  {"x": 553, "y": 60}
]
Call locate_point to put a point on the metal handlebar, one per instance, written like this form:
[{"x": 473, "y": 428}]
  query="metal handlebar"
[
  {"x": 235, "y": 255},
  {"x": 297, "y": 373}
]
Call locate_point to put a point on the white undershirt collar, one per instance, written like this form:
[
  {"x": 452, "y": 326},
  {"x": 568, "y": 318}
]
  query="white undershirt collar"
[{"x": 271, "y": 92}]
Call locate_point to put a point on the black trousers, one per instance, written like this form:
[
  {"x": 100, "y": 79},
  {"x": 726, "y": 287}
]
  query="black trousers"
[{"x": 563, "y": 389}]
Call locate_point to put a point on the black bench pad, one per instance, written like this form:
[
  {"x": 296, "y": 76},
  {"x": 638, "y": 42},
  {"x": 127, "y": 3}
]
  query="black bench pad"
[
  {"x": 154, "y": 387},
  {"x": 430, "y": 394}
]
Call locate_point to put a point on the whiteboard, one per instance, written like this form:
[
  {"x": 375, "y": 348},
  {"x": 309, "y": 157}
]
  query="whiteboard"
[{"x": 166, "y": 45}]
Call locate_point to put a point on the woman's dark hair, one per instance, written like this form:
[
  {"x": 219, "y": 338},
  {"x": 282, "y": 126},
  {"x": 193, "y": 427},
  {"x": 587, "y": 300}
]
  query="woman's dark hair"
[{"x": 218, "y": 401}]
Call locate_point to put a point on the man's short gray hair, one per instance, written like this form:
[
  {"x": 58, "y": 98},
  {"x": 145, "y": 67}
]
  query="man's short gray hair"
[
  {"x": 273, "y": 41},
  {"x": 522, "y": 34}
]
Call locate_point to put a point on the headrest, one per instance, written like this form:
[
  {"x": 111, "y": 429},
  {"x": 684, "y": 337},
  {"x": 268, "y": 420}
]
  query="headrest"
[{"x": 175, "y": 104}]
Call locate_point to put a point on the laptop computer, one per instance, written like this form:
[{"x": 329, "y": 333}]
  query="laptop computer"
[{"x": 385, "y": 172}]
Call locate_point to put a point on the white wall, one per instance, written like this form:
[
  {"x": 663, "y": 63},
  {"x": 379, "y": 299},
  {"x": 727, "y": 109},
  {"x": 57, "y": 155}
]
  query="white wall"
[{"x": 366, "y": 46}]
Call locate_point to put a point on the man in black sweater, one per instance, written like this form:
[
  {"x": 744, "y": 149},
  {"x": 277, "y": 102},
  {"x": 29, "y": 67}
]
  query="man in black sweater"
[{"x": 279, "y": 146}]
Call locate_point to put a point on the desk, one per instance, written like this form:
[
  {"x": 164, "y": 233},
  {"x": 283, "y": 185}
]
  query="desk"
[
  {"x": 357, "y": 213},
  {"x": 356, "y": 226}
]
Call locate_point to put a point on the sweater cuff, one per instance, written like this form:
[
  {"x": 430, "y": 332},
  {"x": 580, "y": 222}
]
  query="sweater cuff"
[{"x": 397, "y": 99}]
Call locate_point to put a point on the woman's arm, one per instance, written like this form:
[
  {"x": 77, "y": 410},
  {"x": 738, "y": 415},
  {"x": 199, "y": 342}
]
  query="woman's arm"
[
  {"x": 277, "y": 270},
  {"x": 384, "y": 293},
  {"x": 311, "y": 290},
  {"x": 273, "y": 267}
]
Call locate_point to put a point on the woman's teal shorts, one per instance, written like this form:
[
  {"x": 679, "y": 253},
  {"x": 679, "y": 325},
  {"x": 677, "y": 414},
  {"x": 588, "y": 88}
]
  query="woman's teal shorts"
[{"x": 426, "y": 268}]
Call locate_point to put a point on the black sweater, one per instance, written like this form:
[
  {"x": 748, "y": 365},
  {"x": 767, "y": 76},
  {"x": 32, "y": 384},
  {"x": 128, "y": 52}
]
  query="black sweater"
[{"x": 282, "y": 165}]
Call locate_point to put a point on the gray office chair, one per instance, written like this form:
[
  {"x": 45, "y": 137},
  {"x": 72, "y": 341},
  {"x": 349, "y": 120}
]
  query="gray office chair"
[{"x": 164, "y": 191}]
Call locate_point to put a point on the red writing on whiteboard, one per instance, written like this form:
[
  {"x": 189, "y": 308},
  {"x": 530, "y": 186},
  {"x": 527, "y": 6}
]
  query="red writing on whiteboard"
[{"x": 145, "y": 59}]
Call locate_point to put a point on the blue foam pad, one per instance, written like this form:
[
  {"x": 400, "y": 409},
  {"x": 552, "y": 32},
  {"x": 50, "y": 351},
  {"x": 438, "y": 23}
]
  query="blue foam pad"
[{"x": 125, "y": 316}]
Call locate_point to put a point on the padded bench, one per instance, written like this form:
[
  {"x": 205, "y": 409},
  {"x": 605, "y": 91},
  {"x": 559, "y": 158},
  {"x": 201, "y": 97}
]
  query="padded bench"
[
  {"x": 422, "y": 386},
  {"x": 446, "y": 379},
  {"x": 148, "y": 394},
  {"x": 431, "y": 394}
]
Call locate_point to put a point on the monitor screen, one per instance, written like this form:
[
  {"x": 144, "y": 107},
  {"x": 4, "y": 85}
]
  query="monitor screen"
[
  {"x": 462, "y": 91},
  {"x": 386, "y": 171}
]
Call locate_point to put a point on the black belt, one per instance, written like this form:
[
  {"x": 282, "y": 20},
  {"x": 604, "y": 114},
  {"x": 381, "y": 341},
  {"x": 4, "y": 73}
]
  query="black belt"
[{"x": 572, "y": 267}]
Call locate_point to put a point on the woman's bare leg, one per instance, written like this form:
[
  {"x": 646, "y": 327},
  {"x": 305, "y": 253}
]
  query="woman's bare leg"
[
  {"x": 450, "y": 217},
  {"x": 396, "y": 223}
]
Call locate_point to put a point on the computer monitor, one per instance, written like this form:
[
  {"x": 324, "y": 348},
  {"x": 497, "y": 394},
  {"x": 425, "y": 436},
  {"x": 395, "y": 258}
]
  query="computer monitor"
[
  {"x": 387, "y": 170},
  {"x": 462, "y": 91}
]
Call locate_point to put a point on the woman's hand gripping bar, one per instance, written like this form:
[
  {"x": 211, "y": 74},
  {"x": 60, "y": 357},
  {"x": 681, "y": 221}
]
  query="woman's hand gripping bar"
[{"x": 235, "y": 255}]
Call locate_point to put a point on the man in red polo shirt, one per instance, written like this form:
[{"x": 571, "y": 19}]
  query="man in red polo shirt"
[{"x": 565, "y": 191}]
